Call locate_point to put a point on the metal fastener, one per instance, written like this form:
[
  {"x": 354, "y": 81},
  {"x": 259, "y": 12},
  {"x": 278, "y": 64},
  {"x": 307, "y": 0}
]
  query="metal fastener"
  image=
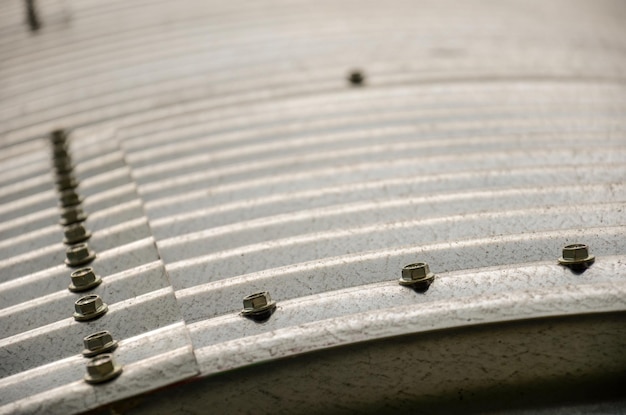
[
  {"x": 84, "y": 279},
  {"x": 62, "y": 161},
  {"x": 576, "y": 256},
  {"x": 60, "y": 142},
  {"x": 356, "y": 78},
  {"x": 73, "y": 214},
  {"x": 98, "y": 343},
  {"x": 32, "y": 16},
  {"x": 102, "y": 368},
  {"x": 89, "y": 307},
  {"x": 66, "y": 182},
  {"x": 58, "y": 136},
  {"x": 63, "y": 167},
  {"x": 60, "y": 152},
  {"x": 78, "y": 255},
  {"x": 75, "y": 233},
  {"x": 70, "y": 198},
  {"x": 417, "y": 274},
  {"x": 258, "y": 305}
]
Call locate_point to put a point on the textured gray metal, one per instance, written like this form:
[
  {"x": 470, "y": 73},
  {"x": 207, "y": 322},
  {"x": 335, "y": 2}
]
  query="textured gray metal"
[
  {"x": 41, "y": 340},
  {"x": 221, "y": 151}
]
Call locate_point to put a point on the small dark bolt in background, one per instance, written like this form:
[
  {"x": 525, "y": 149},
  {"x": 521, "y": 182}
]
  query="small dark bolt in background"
[
  {"x": 31, "y": 15},
  {"x": 356, "y": 78}
]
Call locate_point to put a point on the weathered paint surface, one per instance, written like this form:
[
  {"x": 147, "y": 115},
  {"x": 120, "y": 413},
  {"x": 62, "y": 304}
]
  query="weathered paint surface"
[{"x": 221, "y": 151}]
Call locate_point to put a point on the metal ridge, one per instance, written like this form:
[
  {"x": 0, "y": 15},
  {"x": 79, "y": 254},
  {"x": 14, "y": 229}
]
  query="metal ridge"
[
  {"x": 390, "y": 155},
  {"x": 521, "y": 176},
  {"x": 501, "y": 307},
  {"x": 135, "y": 112},
  {"x": 205, "y": 305},
  {"x": 413, "y": 202},
  {"x": 556, "y": 194},
  {"x": 450, "y": 255},
  {"x": 327, "y": 176}
]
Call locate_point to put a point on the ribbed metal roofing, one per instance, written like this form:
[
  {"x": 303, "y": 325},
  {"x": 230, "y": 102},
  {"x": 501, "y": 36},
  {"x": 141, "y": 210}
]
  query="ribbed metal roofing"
[{"x": 221, "y": 151}]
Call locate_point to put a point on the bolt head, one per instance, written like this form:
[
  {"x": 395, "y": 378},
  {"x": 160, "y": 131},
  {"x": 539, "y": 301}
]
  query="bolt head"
[
  {"x": 62, "y": 163},
  {"x": 60, "y": 155},
  {"x": 78, "y": 255},
  {"x": 576, "y": 254},
  {"x": 416, "y": 273},
  {"x": 99, "y": 342},
  {"x": 60, "y": 149},
  {"x": 70, "y": 198},
  {"x": 72, "y": 215},
  {"x": 58, "y": 136},
  {"x": 66, "y": 182},
  {"x": 84, "y": 279},
  {"x": 356, "y": 77},
  {"x": 89, "y": 307},
  {"x": 257, "y": 303},
  {"x": 59, "y": 146},
  {"x": 88, "y": 304},
  {"x": 75, "y": 233},
  {"x": 257, "y": 300},
  {"x": 102, "y": 368}
]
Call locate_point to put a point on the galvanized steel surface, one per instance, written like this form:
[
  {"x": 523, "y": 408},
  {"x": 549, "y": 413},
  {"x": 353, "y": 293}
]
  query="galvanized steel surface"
[{"x": 221, "y": 151}]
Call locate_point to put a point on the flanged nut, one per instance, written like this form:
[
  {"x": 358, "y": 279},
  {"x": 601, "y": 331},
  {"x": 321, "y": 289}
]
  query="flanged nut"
[
  {"x": 63, "y": 164},
  {"x": 84, "y": 279},
  {"x": 417, "y": 274},
  {"x": 72, "y": 215},
  {"x": 58, "y": 136},
  {"x": 98, "y": 343},
  {"x": 258, "y": 304},
  {"x": 89, "y": 307},
  {"x": 102, "y": 368},
  {"x": 70, "y": 198},
  {"x": 78, "y": 255},
  {"x": 576, "y": 256},
  {"x": 60, "y": 151},
  {"x": 75, "y": 233},
  {"x": 59, "y": 144},
  {"x": 356, "y": 77},
  {"x": 66, "y": 182}
]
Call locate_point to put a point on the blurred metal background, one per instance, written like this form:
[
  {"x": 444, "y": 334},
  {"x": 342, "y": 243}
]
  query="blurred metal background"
[{"x": 221, "y": 150}]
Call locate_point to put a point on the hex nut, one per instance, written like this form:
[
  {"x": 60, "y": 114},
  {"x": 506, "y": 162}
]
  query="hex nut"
[
  {"x": 83, "y": 280},
  {"x": 63, "y": 164},
  {"x": 70, "y": 198},
  {"x": 66, "y": 182},
  {"x": 576, "y": 256},
  {"x": 257, "y": 304},
  {"x": 75, "y": 233},
  {"x": 78, "y": 255},
  {"x": 416, "y": 274},
  {"x": 102, "y": 368},
  {"x": 89, "y": 307},
  {"x": 98, "y": 343},
  {"x": 356, "y": 78},
  {"x": 60, "y": 151},
  {"x": 58, "y": 136},
  {"x": 72, "y": 215},
  {"x": 60, "y": 145}
]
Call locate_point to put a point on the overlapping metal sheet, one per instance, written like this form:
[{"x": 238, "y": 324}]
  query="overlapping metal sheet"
[{"x": 221, "y": 151}]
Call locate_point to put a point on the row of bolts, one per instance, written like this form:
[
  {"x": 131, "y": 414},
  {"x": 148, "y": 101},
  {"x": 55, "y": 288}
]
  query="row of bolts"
[
  {"x": 102, "y": 366},
  {"x": 258, "y": 306}
]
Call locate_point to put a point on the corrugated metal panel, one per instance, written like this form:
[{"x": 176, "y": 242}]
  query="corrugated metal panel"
[
  {"x": 221, "y": 152},
  {"x": 40, "y": 350}
]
